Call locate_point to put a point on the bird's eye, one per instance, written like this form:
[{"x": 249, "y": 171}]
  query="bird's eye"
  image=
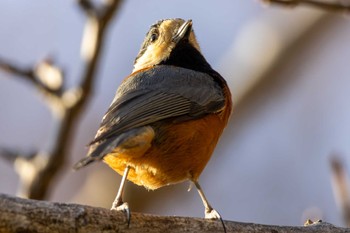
[{"x": 154, "y": 37}]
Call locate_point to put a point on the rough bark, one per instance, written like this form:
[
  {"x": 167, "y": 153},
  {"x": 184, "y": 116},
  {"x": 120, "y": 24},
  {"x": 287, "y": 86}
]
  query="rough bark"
[{"x": 24, "y": 215}]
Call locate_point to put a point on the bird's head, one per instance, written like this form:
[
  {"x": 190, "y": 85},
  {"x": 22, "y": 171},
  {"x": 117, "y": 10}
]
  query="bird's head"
[{"x": 162, "y": 39}]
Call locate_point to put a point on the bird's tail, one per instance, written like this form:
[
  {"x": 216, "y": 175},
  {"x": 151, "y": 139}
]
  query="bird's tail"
[
  {"x": 83, "y": 162},
  {"x": 96, "y": 152}
]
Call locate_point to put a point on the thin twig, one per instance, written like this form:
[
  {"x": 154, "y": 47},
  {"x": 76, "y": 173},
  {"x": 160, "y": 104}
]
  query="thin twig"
[
  {"x": 327, "y": 6},
  {"x": 27, "y": 74},
  {"x": 11, "y": 155},
  {"x": 95, "y": 49},
  {"x": 87, "y": 6}
]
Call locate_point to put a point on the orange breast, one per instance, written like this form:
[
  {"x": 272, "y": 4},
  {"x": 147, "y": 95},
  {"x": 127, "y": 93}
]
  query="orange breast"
[{"x": 178, "y": 151}]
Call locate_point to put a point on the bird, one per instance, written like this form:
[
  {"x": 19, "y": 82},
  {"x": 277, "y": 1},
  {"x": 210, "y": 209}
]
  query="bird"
[{"x": 166, "y": 117}]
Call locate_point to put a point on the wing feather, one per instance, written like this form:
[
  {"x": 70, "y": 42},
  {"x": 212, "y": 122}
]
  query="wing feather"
[{"x": 156, "y": 94}]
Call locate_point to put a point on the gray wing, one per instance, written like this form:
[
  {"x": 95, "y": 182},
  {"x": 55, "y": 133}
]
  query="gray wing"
[
  {"x": 153, "y": 95},
  {"x": 157, "y": 94}
]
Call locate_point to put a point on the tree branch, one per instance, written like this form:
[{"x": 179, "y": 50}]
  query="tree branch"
[
  {"x": 37, "y": 172},
  {"x": 11, "y": 155},
  {"x": 23, "y": 215},
  {"x": 327, "y": 6},
  {"x": 46, "y": 77},
  {"x": 87, "y": 6}
]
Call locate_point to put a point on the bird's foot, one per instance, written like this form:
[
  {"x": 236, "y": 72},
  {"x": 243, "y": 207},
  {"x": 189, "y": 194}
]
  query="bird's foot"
[
  {"x": 123, "y": 207},
  {"x": 212, "y": 214},
  {"x": 120, "y": 206}
]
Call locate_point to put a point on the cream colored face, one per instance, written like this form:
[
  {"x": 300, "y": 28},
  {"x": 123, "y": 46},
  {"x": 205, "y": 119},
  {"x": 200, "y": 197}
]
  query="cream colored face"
[{"x": 154, "y": 51}]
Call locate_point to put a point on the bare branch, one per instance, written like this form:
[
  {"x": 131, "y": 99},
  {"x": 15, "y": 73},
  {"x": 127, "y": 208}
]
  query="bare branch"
[
  {"x": 74, "y": 101},
  {"x": 23, "y": 215},
  {"x": 92, "y": 44},
  {"x": 12, "y": 69},
  {"x": 11, "y": 155},
  {"x": 50, "y": 75},
  {"x": 107, "y": 11},
  {"x": 327, "y": 6},
  {"x": 87, "y": 6},
  {"x": 37, "y": 172},
  {"x": 30, "y": 74},
  {"x": 341, "y": 187}
]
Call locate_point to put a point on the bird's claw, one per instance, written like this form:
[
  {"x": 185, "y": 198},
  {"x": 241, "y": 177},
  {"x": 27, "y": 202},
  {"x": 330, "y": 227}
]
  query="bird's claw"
[
  {"x": 212, "y": 214},
  {"x": 123, "y": 207}
]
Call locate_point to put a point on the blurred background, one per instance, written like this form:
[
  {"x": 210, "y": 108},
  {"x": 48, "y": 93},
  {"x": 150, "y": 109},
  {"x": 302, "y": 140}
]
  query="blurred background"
[{"x": 288, "y": 70}]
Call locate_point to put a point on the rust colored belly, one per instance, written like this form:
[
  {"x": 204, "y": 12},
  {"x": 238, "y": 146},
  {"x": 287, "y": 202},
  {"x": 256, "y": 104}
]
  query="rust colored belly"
[{"x": 178, "y": 152}]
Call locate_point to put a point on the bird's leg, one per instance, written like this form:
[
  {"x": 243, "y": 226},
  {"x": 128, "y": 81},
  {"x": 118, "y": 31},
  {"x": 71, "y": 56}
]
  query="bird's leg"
[
  {"x": 210, "y": 213},
  {"x": 118, "y": 203}
]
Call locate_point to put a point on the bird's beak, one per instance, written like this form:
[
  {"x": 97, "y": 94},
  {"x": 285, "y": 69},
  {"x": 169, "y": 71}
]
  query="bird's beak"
[{"x": 183, "y": 31}]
